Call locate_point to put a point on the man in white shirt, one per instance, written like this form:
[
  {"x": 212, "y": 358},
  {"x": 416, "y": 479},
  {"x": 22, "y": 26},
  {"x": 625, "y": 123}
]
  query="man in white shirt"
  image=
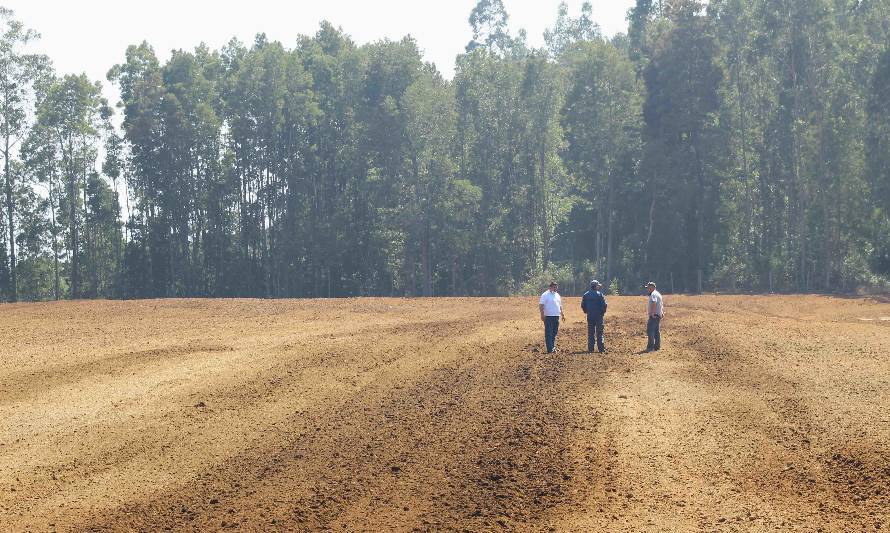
[
  {"x": 551, "y": 311},
  {"x": 655, "y": 310}
]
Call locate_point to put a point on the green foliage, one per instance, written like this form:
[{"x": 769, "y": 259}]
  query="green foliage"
[
  {"x": 561, "y": 273},
  {"x": 21, "y": 75},
  {"x": 568, "y": 31},
  {"x": 488, "y": 20},
  {"x": 741, "y": 142},
  {"x": 71, "y": 113}
]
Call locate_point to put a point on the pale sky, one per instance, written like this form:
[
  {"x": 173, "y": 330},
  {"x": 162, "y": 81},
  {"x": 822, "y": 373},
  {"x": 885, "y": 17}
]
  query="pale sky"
[{"x": 92, "y": 35}]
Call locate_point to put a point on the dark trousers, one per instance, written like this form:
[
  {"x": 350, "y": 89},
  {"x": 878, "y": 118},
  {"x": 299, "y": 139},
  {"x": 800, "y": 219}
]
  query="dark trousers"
[
  {"x": 595, "y": 336},
  {"x": 551, "y": 328},
  {"x": 653, "y": 331}
]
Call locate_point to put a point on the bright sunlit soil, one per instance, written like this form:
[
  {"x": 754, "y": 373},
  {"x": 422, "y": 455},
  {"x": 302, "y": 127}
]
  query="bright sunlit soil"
[{"x": 759, "y": 413}]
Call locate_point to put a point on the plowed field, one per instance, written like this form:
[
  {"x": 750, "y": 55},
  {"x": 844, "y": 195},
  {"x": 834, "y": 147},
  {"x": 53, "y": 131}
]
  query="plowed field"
[{"x": 759, "y": 413}]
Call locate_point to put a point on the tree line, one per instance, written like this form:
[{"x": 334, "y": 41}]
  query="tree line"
[{"x": 733, "y": 145}]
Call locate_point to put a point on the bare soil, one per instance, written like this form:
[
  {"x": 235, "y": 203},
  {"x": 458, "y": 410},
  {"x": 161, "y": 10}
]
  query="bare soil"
[{"x": 759, "y": 413}]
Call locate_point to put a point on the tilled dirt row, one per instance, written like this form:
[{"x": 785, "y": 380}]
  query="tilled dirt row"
[{"x": 443, "y": 414}]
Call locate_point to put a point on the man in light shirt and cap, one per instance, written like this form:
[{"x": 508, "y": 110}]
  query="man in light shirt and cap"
[
  {"x": 655, "y": 310},
  {"x": 551, "y": 311}
]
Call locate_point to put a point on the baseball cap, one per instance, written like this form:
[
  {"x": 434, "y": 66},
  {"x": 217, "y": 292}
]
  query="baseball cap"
[
  {"x": 650, "y": 284},
  {"x": 594, "y": 283}
]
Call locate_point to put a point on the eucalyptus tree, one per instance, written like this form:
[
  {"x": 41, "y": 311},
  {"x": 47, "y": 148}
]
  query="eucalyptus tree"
[
  {"x": 294, "y": 148},
  {"x": 487, "y": 93},
  {"x": 102, "y": 238},
  {"x": 73, "y": 111},
  {"x": 146, "y": 257},
  {"x": 509, "y": 136},
  {"x": 254, "y": 101},
  {"x": 34, "y": 268},
  {"x": 639, "y": 29},
  {"x": 750, "y": 98},
  {"x": 190, "y": 149},
  {"x": 40, "y": 157},
  {"x": 538, "y": 194},
  {"x": 878, "y": 159},
  {"x": 488, "y": 21},
  {"x": 800, "y": 42},
  {"x": 683, "y": 152},
  {"x": 382, "y": 210},
  {"x": 18, "y": 73},
  {"x": 267, "y": 103},
  {"x": 430, "y": 120},
  {"x": 602, "y": 120},
  {"x": 568, "y": 30},
  {"x": 334, "y": 165},
  {"x": 113, "y": 166}
]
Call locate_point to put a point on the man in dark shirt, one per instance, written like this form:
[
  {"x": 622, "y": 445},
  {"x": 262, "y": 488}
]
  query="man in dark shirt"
[{"x": 593, "y": 303}]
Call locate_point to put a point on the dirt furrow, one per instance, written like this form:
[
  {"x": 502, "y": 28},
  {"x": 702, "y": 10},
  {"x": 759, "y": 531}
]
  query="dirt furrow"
[{"x": 443, "y": 414}]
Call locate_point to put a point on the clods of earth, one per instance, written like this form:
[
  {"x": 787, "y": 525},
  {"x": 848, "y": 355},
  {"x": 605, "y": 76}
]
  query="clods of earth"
[{"x": 759, "y": 413}]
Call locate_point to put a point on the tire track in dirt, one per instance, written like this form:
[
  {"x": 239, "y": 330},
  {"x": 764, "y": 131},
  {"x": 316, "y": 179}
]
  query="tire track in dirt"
[
  {"x": 833, "y": 484},
  {"x": 625, "y": 487},
  {"x": 23, "y": 386},
  {"x": 155, "y": 435},
  {"x": 715, "y": 433},
  {"x": 497, "y": 434},
  {"x": 386, "y": 414},
  {"x": 317, "y": 376}
]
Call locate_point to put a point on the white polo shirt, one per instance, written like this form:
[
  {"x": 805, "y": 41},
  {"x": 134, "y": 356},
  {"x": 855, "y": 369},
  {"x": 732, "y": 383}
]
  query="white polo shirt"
[
  {"x": 552, "y": 303},
  {"x": 656, "y": 299}
]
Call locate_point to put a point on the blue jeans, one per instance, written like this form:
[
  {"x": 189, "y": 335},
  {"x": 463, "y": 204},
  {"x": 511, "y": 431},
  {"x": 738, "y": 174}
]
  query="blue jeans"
[
  {"x": 595, "y": 327},
  {"x": 551, "y": 328},
  {"x": 653, "y": 331}
]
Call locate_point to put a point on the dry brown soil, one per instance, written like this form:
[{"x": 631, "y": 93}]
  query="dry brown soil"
[{"x": 759, "y": 413}]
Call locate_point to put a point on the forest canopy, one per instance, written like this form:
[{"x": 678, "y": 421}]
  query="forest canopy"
[{"x": 733, "y": 145}]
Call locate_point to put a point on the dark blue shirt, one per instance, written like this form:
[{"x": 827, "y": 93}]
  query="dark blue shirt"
[{"x": 593, "y": 303}]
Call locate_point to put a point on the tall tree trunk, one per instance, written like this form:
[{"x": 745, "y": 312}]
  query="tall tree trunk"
[
  {"x": 598, "y": 238},
  {"x": 89, "y": 238},
  {"x": 425, "y": 258},
  {"x": 749, "y": 204},
  {"x": 544, "y": 204},
  {"x": 651, "y": 226},
  {"x": 699, "y": 212},
  {"x": 609, "y": 219},
  {"x": 533, "y": 204},
  {"x": 799, "y": 211},
  {"x": 10, "y": 210},
  {"x": 453, "y": 277},
  {"x": 245, "y": 255},
  {"x": 411, "y": 289},
  {"x": 55, "y": 233},
  {"x": 266, "y": 214},
  {"x": 118, "y": 249},
  {"x": 72, "y": 226}
]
